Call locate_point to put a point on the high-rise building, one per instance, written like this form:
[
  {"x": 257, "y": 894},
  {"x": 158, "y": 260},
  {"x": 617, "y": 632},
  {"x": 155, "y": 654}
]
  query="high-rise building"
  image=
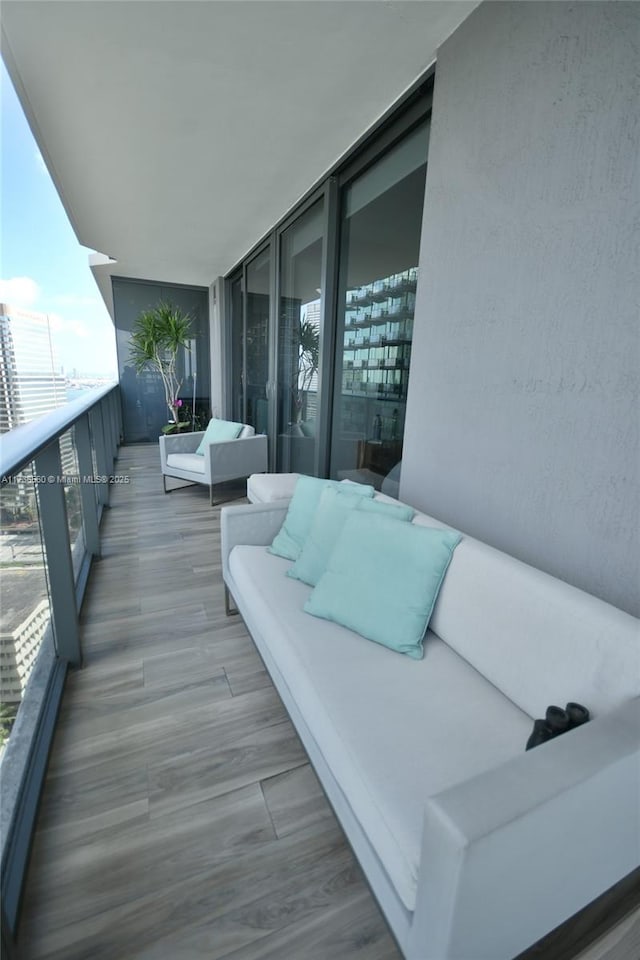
[
  {"x": 31, "y": 381},
  {"x": 31, "y": 385}
]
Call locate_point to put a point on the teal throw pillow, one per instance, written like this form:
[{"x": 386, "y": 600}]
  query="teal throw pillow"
[
  {"x": 217, "y": 431},
  {"x": 333, "y": 510},
  {"x": 383, "y": 578},
  {"x": 306, "y": 496}
]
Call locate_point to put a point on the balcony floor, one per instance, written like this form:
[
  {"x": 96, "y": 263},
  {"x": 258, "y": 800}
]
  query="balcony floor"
[{"x": 180, "y": 818}]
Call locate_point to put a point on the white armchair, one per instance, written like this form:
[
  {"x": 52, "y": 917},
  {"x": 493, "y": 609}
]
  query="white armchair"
[{"x": 222, "y": 461}]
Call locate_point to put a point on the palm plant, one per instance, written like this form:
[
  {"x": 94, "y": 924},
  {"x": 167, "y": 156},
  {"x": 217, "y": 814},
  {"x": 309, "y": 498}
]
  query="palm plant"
[
  {"x": 309, "y": 353},
  {"x": 157, "y": 336},
  {"x": 308, "y": 359}
]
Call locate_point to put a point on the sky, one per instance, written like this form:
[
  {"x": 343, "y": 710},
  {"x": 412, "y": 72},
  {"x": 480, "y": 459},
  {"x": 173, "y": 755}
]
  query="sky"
[{"x": 42, "y": 266}]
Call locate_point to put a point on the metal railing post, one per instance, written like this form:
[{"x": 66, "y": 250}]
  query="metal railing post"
[
  {"x": 113, "y": 434},
  {"x": 55, "y": 535},
  {"x": 87, "y": 489},
  {"x": 119, "y": 423},
  {"x": 106, "y": 428},
  {"x": 102, "y": 462}
]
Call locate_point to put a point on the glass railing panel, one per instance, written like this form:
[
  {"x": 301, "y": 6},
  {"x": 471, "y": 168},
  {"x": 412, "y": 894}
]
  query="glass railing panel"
[
  {"x": 25, "y": 612},
  {"x": 72, "y": 479},
  {"x": 41, "y": 517},
  {"x": 94, "y": 457}
]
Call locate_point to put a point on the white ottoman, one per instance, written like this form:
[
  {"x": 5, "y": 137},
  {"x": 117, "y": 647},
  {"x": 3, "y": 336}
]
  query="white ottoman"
[{"x": 265, "y": 487}]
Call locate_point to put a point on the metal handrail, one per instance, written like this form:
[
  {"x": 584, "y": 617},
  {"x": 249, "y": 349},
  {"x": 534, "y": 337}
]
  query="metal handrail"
[{"x": 20, "y": 446}]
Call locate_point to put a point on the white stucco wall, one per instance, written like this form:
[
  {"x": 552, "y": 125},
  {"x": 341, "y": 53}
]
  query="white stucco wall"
[{"x": 522, "y": 421}]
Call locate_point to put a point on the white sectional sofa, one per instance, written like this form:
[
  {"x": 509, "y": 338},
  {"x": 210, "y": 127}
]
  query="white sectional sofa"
[{"x": 473, "y": 847}]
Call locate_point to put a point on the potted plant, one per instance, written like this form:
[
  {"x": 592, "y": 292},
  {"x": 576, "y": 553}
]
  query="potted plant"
[
  {"x": 157, "y": 337},
  {"x": 308, "y": 359}
]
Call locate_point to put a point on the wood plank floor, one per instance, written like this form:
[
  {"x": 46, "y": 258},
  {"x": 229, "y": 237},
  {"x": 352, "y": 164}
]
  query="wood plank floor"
[{"x": 180, "y": 818}]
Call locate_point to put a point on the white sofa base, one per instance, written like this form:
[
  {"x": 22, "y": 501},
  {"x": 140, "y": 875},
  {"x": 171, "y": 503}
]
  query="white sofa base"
[
  {"x": 396, "y": 914},
  {"x": 506, "y": 854}
]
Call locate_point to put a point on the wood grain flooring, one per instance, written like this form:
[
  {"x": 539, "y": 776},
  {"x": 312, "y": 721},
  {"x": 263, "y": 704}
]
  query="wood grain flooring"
[{"x": 181, "y": 819}]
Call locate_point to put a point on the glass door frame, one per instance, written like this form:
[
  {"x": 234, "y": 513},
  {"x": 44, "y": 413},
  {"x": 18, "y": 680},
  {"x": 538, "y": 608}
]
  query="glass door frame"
[
  {"x": 265, "y": 247},
  {"x": 415, "y": 114},
  {"x": 240, "y": 274},
  {"x": 228, "y": 342},
  {"x": 331, "y": 189},
  {"x": 319, "y": 194}
]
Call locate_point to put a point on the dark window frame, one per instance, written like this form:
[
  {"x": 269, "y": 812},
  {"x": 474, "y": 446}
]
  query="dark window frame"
[{"x": 396, "y": 123}]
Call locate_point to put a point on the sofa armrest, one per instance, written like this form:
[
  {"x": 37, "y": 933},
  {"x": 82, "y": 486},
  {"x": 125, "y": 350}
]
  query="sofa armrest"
[
  {"x": 230, "y": 459},
  {"x": 509, "y": 855},
  {"x": 249, "y": 523},
  {"x": 178, "y": 443}
]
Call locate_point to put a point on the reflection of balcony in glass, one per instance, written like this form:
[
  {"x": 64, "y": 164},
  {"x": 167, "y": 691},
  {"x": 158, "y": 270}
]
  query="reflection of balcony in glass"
[
  {"x": 31, "y": 383},
  {"x": 377, "y": 337},
  {"x": 308, "y": 356}
]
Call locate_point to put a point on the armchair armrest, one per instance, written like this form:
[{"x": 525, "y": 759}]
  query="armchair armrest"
[
  {"x": 512, "y": 853},
  {"x": 178, "y": 443},
  {"x": 230, "y": 459},
  {"x": 250, "y": 523}
]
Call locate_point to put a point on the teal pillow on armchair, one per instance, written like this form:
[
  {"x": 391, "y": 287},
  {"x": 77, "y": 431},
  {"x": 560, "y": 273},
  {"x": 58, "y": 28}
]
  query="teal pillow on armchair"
[{"x": 218, "y": 431}]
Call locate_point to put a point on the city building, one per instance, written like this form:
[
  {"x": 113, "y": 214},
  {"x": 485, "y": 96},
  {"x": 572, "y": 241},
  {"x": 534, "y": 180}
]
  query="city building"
[
  {"x": 19, "y": 646},
  {"x": 31, "y": 380},
  {"x": 31, "y": 385}
]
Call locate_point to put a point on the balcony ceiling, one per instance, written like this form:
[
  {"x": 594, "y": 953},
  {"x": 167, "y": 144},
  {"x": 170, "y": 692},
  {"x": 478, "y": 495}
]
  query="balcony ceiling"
[{"x": 178, "y": 133}]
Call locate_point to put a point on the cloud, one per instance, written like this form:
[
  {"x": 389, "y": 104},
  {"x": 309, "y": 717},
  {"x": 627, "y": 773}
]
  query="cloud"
[
  {"x": 63, "y": 325},
  {"x": 71, "y": 300},
  {"x": 19, "y": 291},
  {"x": 79, "y": 329}
]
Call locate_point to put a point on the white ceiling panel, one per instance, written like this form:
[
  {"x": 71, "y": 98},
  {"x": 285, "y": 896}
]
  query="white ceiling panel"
[{"x": 179, "y": 132}]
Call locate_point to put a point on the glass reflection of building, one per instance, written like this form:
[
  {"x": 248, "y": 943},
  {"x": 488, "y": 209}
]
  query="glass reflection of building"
[{"x": 31, "y": 385}]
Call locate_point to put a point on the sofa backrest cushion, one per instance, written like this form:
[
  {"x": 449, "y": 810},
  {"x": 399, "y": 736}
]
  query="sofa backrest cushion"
[
  {"x": 538, "y": 639},
  {"x": 247, "y": 431}
]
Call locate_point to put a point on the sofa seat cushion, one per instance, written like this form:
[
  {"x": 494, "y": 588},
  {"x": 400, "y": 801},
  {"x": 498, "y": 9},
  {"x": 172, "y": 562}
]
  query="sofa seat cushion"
[
  {"x": 387, "y": 751},
  {"x": 192, "y": 462}
]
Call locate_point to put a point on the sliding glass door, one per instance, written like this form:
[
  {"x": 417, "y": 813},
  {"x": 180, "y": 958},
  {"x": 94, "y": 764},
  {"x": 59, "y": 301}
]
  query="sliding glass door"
[
  {"x": 236, "y": 312},
  {"x": 257, "y": 306},
  {"x": 381, "y": 222},
  {"x": 250, "y": 310},
  {"x": 322, "y": 310},
  {"x": 299, "y": 328}
]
